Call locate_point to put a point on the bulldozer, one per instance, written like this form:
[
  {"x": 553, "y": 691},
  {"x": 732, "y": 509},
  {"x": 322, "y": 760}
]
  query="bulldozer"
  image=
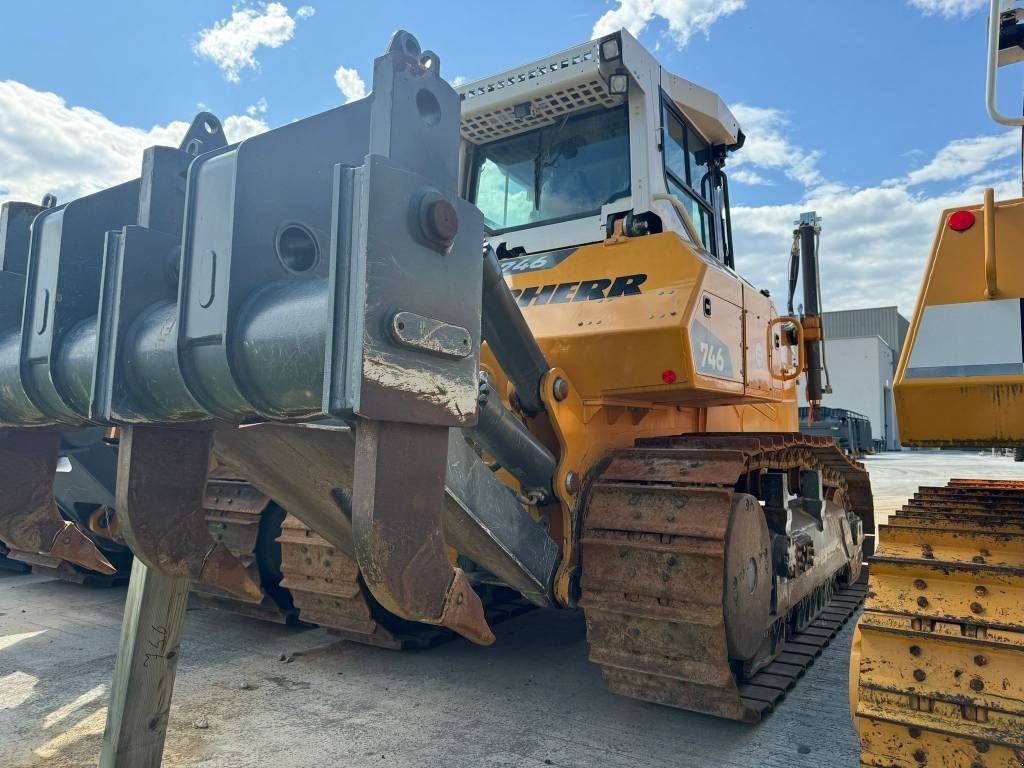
[
  {"x": 474, "y": 339},
  {"x": 935, "y": 667}
]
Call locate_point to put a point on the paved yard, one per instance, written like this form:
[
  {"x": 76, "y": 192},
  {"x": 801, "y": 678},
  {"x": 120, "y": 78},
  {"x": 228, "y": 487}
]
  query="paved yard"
[{"x": 532, "y": 699}]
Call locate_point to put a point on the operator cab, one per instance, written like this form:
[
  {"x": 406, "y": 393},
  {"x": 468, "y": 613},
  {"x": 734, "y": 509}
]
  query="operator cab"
[{"x": 561, "y": 152}]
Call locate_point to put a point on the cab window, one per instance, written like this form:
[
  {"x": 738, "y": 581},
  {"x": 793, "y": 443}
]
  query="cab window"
[{"x": 686, "y": 171}]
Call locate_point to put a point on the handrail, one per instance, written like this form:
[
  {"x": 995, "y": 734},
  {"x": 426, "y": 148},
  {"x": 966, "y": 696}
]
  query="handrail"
[
  {"x": 991, "y": 70},
  {"x": 799, "y": 368},
  {"x": 989, "y": 211}
]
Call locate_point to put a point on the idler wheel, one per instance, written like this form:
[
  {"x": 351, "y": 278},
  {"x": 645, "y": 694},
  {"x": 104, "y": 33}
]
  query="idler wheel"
[{"x": 748, "y": 577}]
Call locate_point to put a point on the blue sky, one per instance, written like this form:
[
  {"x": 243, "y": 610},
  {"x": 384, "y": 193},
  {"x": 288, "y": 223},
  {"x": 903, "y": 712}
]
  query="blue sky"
[{"x": 871, "y": 112}]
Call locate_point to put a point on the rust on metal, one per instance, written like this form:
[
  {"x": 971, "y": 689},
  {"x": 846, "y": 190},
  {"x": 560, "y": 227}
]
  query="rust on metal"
[
  {"x": 161, "y": 480},
  {"x": 397, "y": 501},
  {"x": 941, "y": 641},
  {"x": 72, "y": 545},
  {"x": 30, "y": 521},
  {"x": 676, "y": 584}
]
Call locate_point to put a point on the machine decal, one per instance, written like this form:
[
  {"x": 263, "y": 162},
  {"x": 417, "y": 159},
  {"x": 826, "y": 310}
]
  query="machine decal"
[
  {"x": 711, "y": 356},
  {"x": 535, "y": 261},
  {"x": 580, "y": 290},
  {"x": 975, "y": 338}
]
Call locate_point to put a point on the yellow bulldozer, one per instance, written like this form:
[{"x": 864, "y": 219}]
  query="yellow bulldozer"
[
  {"x": 936, "y": 667},
  {"x": 594, "y": 410}
]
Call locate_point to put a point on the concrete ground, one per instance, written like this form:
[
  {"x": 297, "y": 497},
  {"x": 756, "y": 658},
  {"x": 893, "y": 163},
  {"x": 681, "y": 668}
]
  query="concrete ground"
[
  {"x": 532, "y": 699},
  {"x": 895, "y": 476}
]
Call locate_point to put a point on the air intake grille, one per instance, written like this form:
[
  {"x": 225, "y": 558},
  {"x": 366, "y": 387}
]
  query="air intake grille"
[{"x": 545, "y": 108}]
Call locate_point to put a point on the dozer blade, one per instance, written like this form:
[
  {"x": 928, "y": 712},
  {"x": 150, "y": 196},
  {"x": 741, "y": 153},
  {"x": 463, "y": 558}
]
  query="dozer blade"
[
  {"x": 29, "y": 519},
  {"x": 161, "y": 479}
]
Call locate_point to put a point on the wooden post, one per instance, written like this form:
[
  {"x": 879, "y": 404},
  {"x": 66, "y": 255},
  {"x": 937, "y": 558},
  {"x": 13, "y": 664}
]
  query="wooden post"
[
  {"x": 147, "y": 658},
  {"x": 161, "y": 474}
]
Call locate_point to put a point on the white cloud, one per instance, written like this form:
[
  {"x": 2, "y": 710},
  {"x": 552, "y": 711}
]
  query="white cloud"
[
  {"x": 259, "y": 108},
  {"x": 241, "y": 127},
  {"x": 459, "y": 80},
  {"x": 948, "y": 8},
  {"x": 964, "y": 157},
  {"x": 875, "y": 240},
  {"x": 350, "y": 84},
  {"x": 231, "y": 43},
  {"x": 48, "y": 146},
  {"x": 747, "y": 176},
  {"x": 683, "y": 17},
  {"x": 768, "y": 148}
]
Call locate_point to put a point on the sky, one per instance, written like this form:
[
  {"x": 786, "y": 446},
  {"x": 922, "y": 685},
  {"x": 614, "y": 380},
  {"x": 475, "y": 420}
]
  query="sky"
[{"x": 870, "y": 113}]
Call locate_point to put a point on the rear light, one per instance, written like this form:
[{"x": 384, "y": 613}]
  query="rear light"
[
  {"x": 668, "y": 376},
  {"x": 960, "y": 221}
]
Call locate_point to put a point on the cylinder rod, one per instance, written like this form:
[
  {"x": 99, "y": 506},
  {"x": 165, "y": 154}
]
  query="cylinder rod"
[
  {"x": 509, "y": 337},
  {"x": 808, "y": 227}
]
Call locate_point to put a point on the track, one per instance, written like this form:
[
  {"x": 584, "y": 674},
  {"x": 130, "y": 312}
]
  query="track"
[
  {"x": 941, "y": 646},
  {"x": 677, "y": 599},
  {"x": 247, "y": 523},
  {"x": 328, "y": 590}
]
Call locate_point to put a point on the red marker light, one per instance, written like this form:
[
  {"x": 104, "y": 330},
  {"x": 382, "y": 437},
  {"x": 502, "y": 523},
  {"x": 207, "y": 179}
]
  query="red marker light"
[
  {"x": 668, "y": 376},
  {"x": 960, "y": 221}
]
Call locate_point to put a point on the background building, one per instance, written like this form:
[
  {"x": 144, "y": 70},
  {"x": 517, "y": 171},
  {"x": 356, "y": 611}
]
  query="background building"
[{"x": 862, "y": 349}]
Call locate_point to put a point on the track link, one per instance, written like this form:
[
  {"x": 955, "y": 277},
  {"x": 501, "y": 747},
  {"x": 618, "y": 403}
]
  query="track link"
[
  {"x": 246, "y": 521},
  {"x": 327, "y": 590},
  {"x": 655, "y": 585},
  {"x": 941, "y": 647}
]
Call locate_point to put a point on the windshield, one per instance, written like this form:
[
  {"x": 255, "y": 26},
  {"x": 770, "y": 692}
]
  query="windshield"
[{"x": 567, "y": 169}]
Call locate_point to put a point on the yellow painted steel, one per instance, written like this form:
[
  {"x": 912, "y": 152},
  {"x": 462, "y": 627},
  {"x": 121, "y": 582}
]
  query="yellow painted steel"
[
  {"x": 634, "y": 366},
  {"x": 980, "y": 264},
  {"x": 937, "y": 665}
]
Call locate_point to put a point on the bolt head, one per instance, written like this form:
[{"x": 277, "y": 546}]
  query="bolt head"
[
  {"x": 439, "y": 220},
  {"x": 560, "y": 389},
  {"x": 572, "y": 482}
]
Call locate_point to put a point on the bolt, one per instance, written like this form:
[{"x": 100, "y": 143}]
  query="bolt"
[
  {"x": 978, "y": 559},
  {"x": 915, "y": 650},
  {"x": 920, "y": 584},
  {"x": 919, "y": 675},
  {"x": 438, "y": 219},
  {"x": 981, "y": 746},
  {"x": 572, "y": 483},
  {"x": 980, "y": 591},
  {"x": 977, "y": 685},
  {"x": 560, "y": 389},
  {"x": 977, "y": 608},
  {"x": 920, "y": 756},
  {"x": 915, "y": 732},
  {"x": 922, "y": 601},
  {"x": 980, "y": 660}
]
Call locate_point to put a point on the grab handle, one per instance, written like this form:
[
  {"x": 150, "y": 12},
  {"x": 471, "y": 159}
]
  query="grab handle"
[{"x": 793, "y": 373}]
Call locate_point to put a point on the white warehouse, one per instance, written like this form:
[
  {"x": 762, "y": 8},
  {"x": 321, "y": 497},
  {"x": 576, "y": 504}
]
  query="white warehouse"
[{"x": 862, "y": 349}]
